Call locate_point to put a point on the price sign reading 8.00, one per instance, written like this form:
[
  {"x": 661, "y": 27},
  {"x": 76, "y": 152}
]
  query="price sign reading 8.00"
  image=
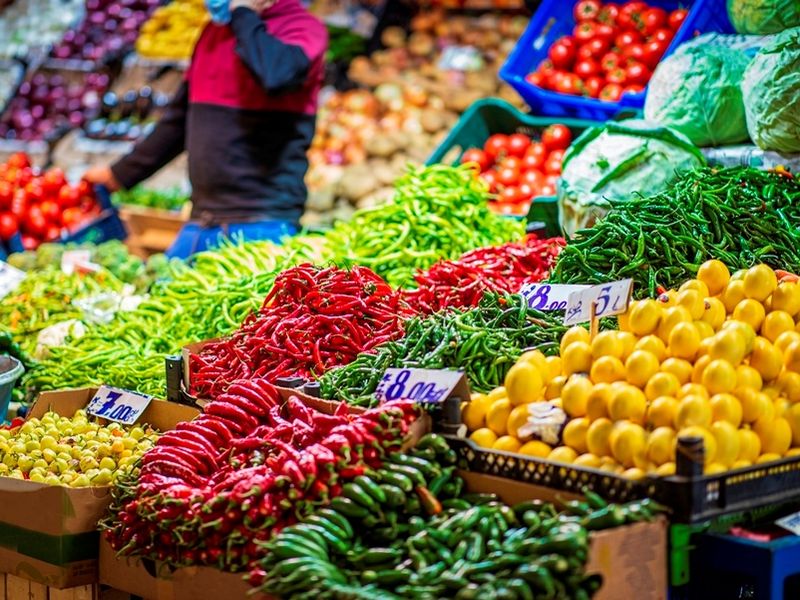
[
  {"x": 549, "y": 296},
  {"x": 420, "y": 385}
]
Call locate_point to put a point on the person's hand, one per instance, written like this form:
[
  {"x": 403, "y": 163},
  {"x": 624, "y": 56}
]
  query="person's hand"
[
  {"x": 257, "y": 6},
  {"x": 102, "y": 176}
]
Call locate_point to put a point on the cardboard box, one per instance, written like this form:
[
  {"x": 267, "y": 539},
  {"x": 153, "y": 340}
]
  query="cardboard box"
[{"x": 48, "y": 533}]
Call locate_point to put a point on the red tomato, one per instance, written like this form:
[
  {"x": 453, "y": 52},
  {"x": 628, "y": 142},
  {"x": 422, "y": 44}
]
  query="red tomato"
[
  {"x": 552, "y": 178},
  {"x": 634, "y": 52},
  {"x": 547, "y": 190},
  {"x": 562, "y": 55},
  {"x": 611, "y": 92},
  {"x": 72, "y": 217},
  {"x": 8, "y": 226},
  {"x": 570, "y": 84},
  {"x": 630, "y": 15},
  {"x": 597, "y": 47},
  {"x": 653, "y": 51},
  {"x": 85, "y": 188},
  {"x": 508, "y": 176},
  {"x": 545, "y": 67},
  {"x": 536, "y": 78},
  {"x": 626, "y": 38},
  {"x": 19, "y": 203},
  {"x": 584, "y": 31},
  {"x": 496, "y": 145},
  {"x": 633, "y": 89},
  {"x": 52, "y": 233},
  {"x": 637, "y": 73},
  {"x": 34, "y": 222},
  {"x": 510, "y": 162},
  {"x": 653, "y": 19},
  {"x": 490, "y": 177},
  {"x": 68, "y": 196},
  {"x": 586, "y": 68},
  {"x": 52, "y": 181},
  {"x": 556, "y": 137},
  {"x": 586, "y": 10},
  {"x": 616, "y": 76},
  {"x": 6, "y": 195},
  {"x": 535, "y": 156},
  {"x": 526, "y": 191},
  {"x": 511, "y": 194},
  {"x": 474, "y": 155},
  {"x": 553, "y": 165},
  {"x": 518, "y": 145},
  {"x": 18, "y": 160},
  {"x": 663, "y": 35},
  {"x": 608, "y": 14},
  {"x": 610, "y": 61},
  {"x": 605, "y": 32},
  {"x": 34, "y": 190},
  {"x": 533, "y": 178},
  {"x": 584, "y": 53},
  {"x": 554, "y": 79},
  {"x": 23, "y": 176},
  {"x": 593, "y": 85},
  {"x": 676, "y": 18},
  {"x": 29, "y": 242},
  {"x": 51, "y": 211}
]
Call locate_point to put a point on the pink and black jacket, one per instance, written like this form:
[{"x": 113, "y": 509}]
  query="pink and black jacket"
[{"x": 246, "y": 116}]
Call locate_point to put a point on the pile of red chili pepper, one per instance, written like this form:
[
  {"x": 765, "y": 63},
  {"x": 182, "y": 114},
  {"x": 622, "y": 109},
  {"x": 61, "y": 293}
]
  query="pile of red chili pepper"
[
  {"x": 312, "y": 320},
  {"x": 213, "y": 489},
  {"x": 462, "y": 282}
]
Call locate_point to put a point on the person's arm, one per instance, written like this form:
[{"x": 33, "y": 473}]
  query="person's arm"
[
  {"x": 280, "y": 65},
  {"x": 164, "y": 143}
]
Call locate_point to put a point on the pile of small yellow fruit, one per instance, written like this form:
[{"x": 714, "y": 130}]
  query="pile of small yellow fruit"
[
  {"x": 718, "y": 359},
  {"x": 172, "y": 31},
  {"x": 76, "y": 451}
]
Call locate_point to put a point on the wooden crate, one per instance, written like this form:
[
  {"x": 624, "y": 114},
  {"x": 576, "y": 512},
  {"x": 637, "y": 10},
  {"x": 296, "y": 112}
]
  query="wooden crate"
[
  {"x": 151, "y": 230},
  {"x": 16, "y": 588}
]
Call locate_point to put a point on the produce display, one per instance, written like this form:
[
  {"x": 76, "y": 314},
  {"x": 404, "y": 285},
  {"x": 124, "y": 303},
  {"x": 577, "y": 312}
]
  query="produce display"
[
  {"x": 612, "y": 50},
  {"x": 128, "y": 117},
  {"x": 10, "y": 76},
  {"x": 763, "y": 16},
  {"x": 214, "y": 489},
  {"x": 173, "y": 199},
  {"x": 31, "y": 25},
  {"x": 75, "y": 451},
  {"x": 171, "y": 32},
  {"x": 41, "y": 206},
  {"x": 311, "y": 321}
]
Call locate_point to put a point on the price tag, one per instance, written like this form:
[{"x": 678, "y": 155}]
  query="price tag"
[
  {"x": 72, "y": 259},
  {"x": 118, "y": 405},
  {"x": 549, "y": 296},
  {"x": 420, "y": 385},
  {"x": 10, "y": 278},
  {"x": 790, "y": 523},
  {"x": 608, "y": 299}
]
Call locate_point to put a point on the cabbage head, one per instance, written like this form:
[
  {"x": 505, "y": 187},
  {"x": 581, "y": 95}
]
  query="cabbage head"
[{"x": 763, "y": 16}]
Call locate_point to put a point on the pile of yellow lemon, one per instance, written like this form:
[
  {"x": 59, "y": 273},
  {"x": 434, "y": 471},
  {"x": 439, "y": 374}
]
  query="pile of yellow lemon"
[
  {"x": 718, "y": 359},
  {"x": 172, "y": 31}
]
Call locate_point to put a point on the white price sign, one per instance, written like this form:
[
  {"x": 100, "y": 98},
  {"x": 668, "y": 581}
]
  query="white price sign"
[
  {"x": 118, "y": 405},
  {"x": 790, "y": 523},
  {"x": 608, "y": 299},
  {"x": 420, "y": 385},
  {"x": 72, "y": 259},
  {"x": 549, "y": 296},
  {"x": 10, "y": 278}
]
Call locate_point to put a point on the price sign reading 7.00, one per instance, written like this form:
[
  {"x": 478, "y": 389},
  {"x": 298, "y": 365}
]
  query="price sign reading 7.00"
[
  {"x": 118, "y": 405},
  {"x": 420, "y": 385},
  {"x": 549, "y": 296}
]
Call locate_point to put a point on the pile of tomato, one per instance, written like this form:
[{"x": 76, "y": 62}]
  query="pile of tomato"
[
  {"x": 518, "y": 168},
  {"x": 41, "y": 206},
  {"x": 612, "y": 51}
]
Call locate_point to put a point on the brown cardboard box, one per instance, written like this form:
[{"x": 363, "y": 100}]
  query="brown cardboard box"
[{"x": 48, "y": 534}]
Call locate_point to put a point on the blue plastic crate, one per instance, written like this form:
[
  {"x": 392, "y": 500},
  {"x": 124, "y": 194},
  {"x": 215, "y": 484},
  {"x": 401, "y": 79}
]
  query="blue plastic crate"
[{"x": 554, "y": 19}]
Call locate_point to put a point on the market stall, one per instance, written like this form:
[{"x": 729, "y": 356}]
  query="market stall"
[{"x": 540, "y": 338}]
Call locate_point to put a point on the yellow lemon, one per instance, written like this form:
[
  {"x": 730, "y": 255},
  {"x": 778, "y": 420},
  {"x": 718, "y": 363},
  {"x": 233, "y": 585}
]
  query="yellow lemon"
[
  {"x": 732, "y": 295},
  {"x": 709, "y": 441},
  {"x": 747, "y": 333},
  {"x": 484, "y": 437},
  {"x": 607, "y": 369},
  {"x": 782, "y": 406},
  {"x": 695, "y": 284},
  {"x": 726, "y": 407},
  {"x": 766, "y": 359},
  {"x": 598, "y": 437},
  {"x": 654, "y": 345},
  {"x": 670, "y": 318},
  {"x": 524, "y": 383},
  {"x": 643, "y": 317},
  {"x": 791, "y": 357},
  {"x": 759, "y": 282},
  {"x": 719, "y": 377},
  {"x": 715, "y": 275},
  {"x": 553, "y": 389},
  {"x": 588, "y": 460},
  {"x": 574, "y": 434},
  {"x": 693, "y": 389},
  {"x": 553, "y": 366},
  {"x": 661, "y": 445},
  {"x": 792, "y": 452},
  {"x": 749, "y": 445},
  {"x": 785, "y": 340},
  {"x": 628, "y": 444},
  {"x": 517, "y": 418},
  {"x": 506, "y": 443},
  {"x": 682, "y": 369},
  {"x": 741, "y": 464},
  {"x": 607, "y": 463},
  {"x": 628, "y": 343},
  {"x": 666, "y": 469},
  {"x": 662, "y": 384},
  {"x": 607, "y": 343},
  {"x": 767, "y": 458},
  {"x": 562, "y": 454},
  {"x": 538, "y": 360},
  {"x": 714, "y": 314},
  {"x": 628, "y": 403},
  {"x": 667, "y": 299},
  {"x": 661, "y": 412},
  {"x": 575, "y": 395},
  {"x": 692, "y": 300},
  {"x": 634, "y": 473},
  {"x": 684, "y": 340},
  {"x": 705, "y": 345},
  {"x": 789, "y": 382},
  {"x": 793, "y": 417},
  {"x": 727, "y": 437},
  {"x": 704, "y": 330},
  {"x": 574, "y": 334},
  {"x": 786, "y": 297},
  {"x": 714, "y": 468},
  {"x": 751, "y": 312},
  {"x": 474, "y": 413},
  {"x": 753, "y": 404},
  {"x": 535, "y": 448},
  {"x": 693, "y": 411},
  {"x": 576, "y": 358},
  {"x": 776, "y": 438},
  {"x": 497, "y": 416},
  {"x": 738, "y": 275},
  {"x": 747, "y": 376},
  {"x": 640, "y": 367},
  {"x": 497, "y": 393},
  {"x": 776, "y": 323},
  {"x": 727, "y": 344},
  {"x": 699, "y": 366},
  {"x": 597, "y": 403}
]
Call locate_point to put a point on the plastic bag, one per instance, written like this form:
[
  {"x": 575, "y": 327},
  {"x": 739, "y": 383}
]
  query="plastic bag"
[
  {"x": 763, "y": 16},
  {"x": 697, "y": 91},
  {"x": 220, "y": 11},
  {"x": 771, "y": 93}
]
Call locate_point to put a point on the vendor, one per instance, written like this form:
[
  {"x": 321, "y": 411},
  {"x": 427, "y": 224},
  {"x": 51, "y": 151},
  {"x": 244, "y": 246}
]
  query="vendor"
[{"x": 245, "y": 114}]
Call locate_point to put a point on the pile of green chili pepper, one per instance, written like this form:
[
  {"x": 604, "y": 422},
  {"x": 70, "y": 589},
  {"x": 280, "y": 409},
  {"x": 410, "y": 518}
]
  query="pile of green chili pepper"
[
  {"x": 483, "y": 341},
  {"x": 438, "y": 212},
  {"x": 172, "y": 199},
  {"x": 739, "y": 215},
  {"x": 409, "y": 530}
]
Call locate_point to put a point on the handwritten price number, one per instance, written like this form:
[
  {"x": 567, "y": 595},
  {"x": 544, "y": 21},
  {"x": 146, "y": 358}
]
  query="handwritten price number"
[
  {"x": 538, "y": 298},
  {"x": 609, "y": 299},
  {"x": 118, "y": 405},
  {"x": 420, "y": 391}
]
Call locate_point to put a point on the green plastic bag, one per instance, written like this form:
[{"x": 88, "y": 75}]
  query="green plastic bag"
[
  {"x": 764, "y": 16},
  {"x": 697, "y": 91},
  {"x": 771, "y": 93}
]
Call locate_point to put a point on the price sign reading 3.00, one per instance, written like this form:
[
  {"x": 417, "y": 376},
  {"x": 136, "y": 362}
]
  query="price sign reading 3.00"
[{"x": 420, "y": 385}]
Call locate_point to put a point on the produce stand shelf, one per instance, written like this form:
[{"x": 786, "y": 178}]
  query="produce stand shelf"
[{"x": 17, "y": 588}]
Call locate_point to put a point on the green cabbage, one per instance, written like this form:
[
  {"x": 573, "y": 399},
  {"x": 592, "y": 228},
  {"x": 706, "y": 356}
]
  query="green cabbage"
[
  {"x": 763, "y": 16},
  {"x": 616, "y": 160},
  {"x": 771, "y": 92},
  {"x": 697, "y": 92}
]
